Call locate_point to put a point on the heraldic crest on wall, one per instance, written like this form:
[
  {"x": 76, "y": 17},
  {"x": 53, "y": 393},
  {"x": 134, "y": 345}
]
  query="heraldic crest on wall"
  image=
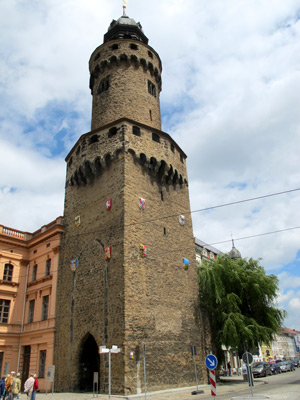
[
  {"x": 108, "y": 204},
  {"x": 107, "y": 253},
  {"x": 142, "y": 203}
]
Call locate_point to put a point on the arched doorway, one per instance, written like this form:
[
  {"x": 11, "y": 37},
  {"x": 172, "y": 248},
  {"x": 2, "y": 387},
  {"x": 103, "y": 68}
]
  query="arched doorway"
[{"x": 89, "y": 362}]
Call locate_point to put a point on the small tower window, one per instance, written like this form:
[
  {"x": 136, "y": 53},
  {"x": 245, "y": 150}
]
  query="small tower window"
[
  {"x": 115, "y": 46},
  {"x": 150, "y": 114},
  {"x": 181, "y": 158},
  {"x": 104, "y": 85},
  {"x": 151, "y": 88},
  {"x": 93, "y": 139},
  {"x": 112, "y": 132},
  {"x": 172, "y": 147},
  {"x": 150, "y": 54},
  {"x": 155, "y": 137},
  {"x": 78, "y": 150},
  {"x": 162, "y": 195},
  {"x": 136, "y": 130},
  {"x": 133, "y": 46},
  {"x": 165, "y": 231},
  {"x": 70, "y": 162}
]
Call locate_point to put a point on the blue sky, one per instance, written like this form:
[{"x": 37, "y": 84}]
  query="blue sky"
[{"x": 230, "y": 98}]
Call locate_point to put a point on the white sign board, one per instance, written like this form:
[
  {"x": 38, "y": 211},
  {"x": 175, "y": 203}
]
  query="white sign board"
[{"x": 50, "y": 373}]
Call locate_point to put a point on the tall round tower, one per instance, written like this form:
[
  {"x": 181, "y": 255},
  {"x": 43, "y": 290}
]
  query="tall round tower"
[
  {"x": 127, "y": 274},
  {"x": 125, "y": 76}
]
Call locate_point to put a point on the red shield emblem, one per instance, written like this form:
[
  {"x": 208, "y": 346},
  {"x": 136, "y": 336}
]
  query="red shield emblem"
[
  {"x": 107, "y": 252},
  {"x": 142, "y": 203},
  {"x": 108, "y": 204}
]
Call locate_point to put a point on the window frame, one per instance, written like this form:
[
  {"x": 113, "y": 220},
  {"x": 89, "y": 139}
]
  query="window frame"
[
  {"x": 8, "y": 272},
  {"x": 31, "y": 306},
  {"x": 45, "y": 307},
  {"x": 42, "y": 363},
  {"x": 4, "y": 311}
]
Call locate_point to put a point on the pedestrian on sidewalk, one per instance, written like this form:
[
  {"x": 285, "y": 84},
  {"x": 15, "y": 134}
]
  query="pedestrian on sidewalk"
[
  {"x": 35, "y": 387},
  {"x": 229, "y": 367}
]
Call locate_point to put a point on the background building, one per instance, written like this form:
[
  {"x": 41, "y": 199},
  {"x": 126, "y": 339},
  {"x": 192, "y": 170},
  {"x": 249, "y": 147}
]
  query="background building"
[{"x": 28, "y": 271}]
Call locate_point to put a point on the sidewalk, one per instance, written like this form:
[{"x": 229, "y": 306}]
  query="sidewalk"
[{"x": 226, "y": 385}]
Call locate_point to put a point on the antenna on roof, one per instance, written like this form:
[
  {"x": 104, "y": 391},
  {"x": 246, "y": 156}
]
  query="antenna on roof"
[{"x": 124, "y": 8}]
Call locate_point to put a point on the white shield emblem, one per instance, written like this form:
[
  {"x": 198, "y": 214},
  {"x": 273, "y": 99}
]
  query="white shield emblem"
[{"x": 142, "y": 203}]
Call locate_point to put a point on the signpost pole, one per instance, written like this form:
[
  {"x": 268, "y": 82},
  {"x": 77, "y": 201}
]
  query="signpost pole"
[
  {"x": 144, "y": 357},
  {"x": 109, "y": 374}
]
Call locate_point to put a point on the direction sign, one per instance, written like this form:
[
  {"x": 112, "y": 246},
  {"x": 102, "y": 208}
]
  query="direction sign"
[
  {"x": 211, "y": 361},
  {"x": 247, "y": 358}
]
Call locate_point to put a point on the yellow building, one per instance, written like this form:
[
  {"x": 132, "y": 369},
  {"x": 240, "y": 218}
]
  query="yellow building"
[{"x": 28, "y": 278}]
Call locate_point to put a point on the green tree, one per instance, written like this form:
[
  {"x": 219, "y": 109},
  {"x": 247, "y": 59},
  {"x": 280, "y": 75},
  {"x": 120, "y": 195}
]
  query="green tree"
[{"x": 240, "y": 301}]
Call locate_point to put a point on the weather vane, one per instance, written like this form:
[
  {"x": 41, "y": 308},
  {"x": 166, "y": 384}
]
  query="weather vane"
[{"x": 124, "y": 7}]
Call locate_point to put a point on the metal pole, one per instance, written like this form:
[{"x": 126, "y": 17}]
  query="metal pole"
[
  {"x": 144, "y": 356},
  {"x": 249, "y": 374},
  {"x": 195, "y": 372},
  {"x": 109, "y": 374}
]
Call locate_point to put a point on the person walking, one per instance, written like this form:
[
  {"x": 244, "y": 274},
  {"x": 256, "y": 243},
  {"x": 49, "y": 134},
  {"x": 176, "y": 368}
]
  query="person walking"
[
  {"x": 28, "y": 386},
  {"x": 35, "y": 387},
  {"x": 2, "y": 387},
  {"x": 9, "y": 385},
  {"x": 16, "y": 386},
  {"x": 229, "y": 367}
]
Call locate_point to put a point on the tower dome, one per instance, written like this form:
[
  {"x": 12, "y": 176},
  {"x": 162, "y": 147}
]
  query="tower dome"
[
  {"x": 234, "y": 253},
  {"x": 125, "y": 28}
]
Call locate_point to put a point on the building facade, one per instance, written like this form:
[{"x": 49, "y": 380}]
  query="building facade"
[{"x": 28, "y": 278}]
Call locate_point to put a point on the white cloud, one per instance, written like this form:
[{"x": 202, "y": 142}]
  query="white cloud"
[{"x": 231, "y": 93}]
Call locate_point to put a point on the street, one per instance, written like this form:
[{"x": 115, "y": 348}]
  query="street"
[{"x": 285, "y": 386}]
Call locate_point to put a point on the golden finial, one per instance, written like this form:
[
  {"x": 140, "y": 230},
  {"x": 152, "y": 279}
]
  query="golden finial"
[{"x": 124, "y": 8}]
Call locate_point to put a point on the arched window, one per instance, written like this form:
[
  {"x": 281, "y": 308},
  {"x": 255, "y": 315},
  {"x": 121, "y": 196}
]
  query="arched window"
[{"x": 8, "y": 272}]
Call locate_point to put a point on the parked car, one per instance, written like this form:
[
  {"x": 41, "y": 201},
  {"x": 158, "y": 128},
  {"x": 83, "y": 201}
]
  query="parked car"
[
  {"x": 275, "y": 368},
  {"x": 291, "y": 364},
  {"x": 296, "y": 362},
  {"x": 285, "y": 366},
  {"x": 261, "y": 369}
]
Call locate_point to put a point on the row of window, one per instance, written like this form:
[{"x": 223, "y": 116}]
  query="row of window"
[
  {"x": 9, "y": 268},
  {"x": 5, "y": 306},
  {"x": 35, "y": 251},
  {"x": 45, "y": 307},
  {"x": 116, "y": 46},
  {"x": 47, "y": 270}
]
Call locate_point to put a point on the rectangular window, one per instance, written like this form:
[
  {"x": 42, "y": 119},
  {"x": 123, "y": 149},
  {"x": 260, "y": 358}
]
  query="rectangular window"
[
  {"x": 42, "y": 364},
  {"x": 4, "y": 311},
  {"x": 31, "y": 311},
  {"x": 48, "y": 267},
  {"x": 45, "y": 306},
  {"x": 136, "y": 130},
  {"x": 34, "y": 271},
  {"x": 151, "y": 88},
  {"x": 8, "y": 272}
]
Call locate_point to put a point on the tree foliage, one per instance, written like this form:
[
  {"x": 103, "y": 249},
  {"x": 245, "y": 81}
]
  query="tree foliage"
[{"x": 240, "y": 300}]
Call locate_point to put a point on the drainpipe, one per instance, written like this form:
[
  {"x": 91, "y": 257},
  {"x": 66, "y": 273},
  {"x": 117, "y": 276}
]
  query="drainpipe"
[{"x": 23, "y": 318}]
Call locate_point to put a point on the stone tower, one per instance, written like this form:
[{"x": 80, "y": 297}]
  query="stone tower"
[{"x": 122, "y": 280}]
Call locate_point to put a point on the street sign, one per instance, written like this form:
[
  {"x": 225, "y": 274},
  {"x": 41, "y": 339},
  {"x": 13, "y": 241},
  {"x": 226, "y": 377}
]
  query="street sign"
[
  {"x": 115, "y": 349},
  {"x": 247, "y": 358},
  {"x": 211, "y": 362},
  {"x": 103, "y": 349}
]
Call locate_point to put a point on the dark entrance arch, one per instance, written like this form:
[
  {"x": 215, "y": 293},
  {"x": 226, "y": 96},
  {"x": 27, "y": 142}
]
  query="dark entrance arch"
[{"x": 89, "y": 362}]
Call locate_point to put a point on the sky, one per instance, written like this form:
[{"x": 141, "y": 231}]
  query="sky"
[{"x": 230, "y": 99}]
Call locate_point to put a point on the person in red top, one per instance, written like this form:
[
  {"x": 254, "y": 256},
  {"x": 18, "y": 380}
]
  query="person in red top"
[{"x": 35, "y": 387}]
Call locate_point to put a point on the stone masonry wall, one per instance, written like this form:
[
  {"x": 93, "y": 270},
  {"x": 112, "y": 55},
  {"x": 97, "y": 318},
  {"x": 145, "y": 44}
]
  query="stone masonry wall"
[{"x": 126, "y": 72}]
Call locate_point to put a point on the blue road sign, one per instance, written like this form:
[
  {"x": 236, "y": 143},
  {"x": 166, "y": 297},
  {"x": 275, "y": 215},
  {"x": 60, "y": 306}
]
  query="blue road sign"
[{"x": 211, "y": 361}]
